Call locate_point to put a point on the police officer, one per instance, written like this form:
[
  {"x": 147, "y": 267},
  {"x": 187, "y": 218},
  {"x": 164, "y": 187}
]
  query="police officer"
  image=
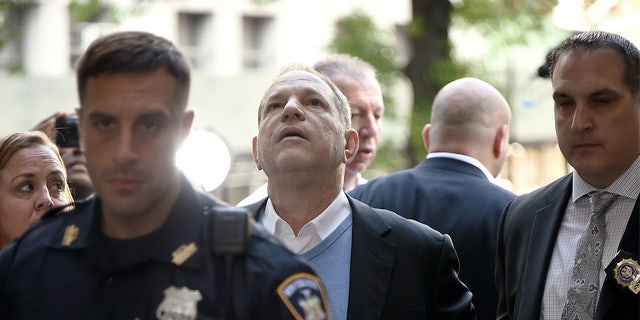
[{"x": 147, "y": 245}]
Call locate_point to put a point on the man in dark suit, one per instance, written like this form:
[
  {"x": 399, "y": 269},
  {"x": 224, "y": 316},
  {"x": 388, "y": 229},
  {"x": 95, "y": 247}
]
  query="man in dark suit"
[
  {"x": 454, "y": 189},
  {"x": 595, "y": 79},
  {"x": 374, "y": 263}
]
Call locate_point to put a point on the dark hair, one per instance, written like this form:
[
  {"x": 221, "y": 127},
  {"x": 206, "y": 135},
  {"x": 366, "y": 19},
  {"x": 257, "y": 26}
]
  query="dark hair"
[
  {"x": 133, "y": 51},
  {"x": 594, "y": 40}
]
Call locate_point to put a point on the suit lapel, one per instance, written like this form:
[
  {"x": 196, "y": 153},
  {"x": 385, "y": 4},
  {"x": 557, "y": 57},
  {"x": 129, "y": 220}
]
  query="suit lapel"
[
  {"x": 372, "y": 259},
  {"x": 546, "y": 223},
  {"x": 629, "y": 242}
]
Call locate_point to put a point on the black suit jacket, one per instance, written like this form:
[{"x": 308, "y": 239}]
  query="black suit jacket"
[
  {"x": 400, "y": 269},
  {"x": 457, "y": 199},
  {"x": 527, "y": 234}
]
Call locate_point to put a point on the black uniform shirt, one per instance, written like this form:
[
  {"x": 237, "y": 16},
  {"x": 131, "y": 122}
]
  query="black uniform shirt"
[{"x": 65, "y": 268}]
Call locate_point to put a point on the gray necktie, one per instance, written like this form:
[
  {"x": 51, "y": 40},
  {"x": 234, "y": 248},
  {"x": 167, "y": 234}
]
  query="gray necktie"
[{"x": 585, "y": 281}]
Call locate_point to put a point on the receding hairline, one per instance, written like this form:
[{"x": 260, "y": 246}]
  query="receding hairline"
[{"x": 339, "y": 99}]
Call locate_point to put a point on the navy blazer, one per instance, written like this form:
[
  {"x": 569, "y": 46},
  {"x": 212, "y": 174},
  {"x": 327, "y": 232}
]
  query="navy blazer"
[
  {"x": 400, "y": 269},
  {"x": 457, "y": 199},
  {"x": 527, "y": 234}
]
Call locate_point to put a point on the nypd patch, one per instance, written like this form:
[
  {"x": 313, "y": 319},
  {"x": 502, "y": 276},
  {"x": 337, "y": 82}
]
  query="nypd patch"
[{"x": 304, "y": 296}]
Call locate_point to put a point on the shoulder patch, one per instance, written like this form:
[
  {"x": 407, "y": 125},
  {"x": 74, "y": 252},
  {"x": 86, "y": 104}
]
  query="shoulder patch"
[{"x": 304, "y": 296}]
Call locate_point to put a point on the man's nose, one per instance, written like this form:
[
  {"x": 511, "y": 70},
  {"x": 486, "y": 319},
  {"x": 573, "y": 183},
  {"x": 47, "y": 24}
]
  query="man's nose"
[
  {"x": 368, "y": 126},
  {"x": 293, "y": 108}
]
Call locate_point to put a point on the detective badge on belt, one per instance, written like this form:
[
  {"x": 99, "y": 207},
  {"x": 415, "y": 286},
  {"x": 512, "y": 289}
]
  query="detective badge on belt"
[{"x": 625, "y": 269}]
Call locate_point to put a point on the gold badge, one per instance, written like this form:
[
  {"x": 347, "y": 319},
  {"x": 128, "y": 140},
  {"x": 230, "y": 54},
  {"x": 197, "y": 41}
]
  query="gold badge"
[
  {"x": 70, "y": 235},
  {"x": 627, "y": 274},
  {"x": 183, "y": 253},
  {"x": 179, "y": 303}
]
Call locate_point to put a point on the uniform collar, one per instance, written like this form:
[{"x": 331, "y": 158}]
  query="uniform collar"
[{"x": 179, "y": 235}]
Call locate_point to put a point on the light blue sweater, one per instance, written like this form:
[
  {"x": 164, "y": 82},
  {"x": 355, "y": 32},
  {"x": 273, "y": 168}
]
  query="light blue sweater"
[{"x": 331, "y": 259}]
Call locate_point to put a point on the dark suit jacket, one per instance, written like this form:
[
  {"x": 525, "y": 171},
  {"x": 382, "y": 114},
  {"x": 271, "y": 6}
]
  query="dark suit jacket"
[
  {"x": 454, "y": 198},
  {"x": 400, "y": 269},
  {"x": 527, "y": 234}
]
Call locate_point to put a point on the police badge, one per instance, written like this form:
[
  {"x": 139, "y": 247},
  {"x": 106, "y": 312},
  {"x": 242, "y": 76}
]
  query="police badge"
[
  {"x": 624, "y": 268},
  {"x": 179, "y": 304}
]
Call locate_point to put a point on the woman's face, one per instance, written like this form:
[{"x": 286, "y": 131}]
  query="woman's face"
[{"x": 32, "y": 182}]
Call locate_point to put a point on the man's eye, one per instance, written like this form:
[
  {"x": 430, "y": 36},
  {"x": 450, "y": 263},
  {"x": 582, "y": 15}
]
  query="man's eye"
[
  {"x": 104, "y": 124},
  {"x": 315, "y": 102},
  {"x": 603, "y": 101},
  {"x": 275, "y": 106},
  {"x": 149, "y": 125}
]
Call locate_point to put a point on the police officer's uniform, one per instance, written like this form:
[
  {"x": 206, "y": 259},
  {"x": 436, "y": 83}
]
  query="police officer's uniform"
[{"x": 65, "y": 268}]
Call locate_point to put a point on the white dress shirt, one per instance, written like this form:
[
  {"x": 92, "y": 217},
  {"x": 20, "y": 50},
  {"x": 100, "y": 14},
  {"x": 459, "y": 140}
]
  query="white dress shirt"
[{"x": 313, "y": 231}]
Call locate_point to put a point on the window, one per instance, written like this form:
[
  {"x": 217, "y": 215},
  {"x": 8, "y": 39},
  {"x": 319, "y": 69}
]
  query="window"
[
  {"x": 12, "y": 21},
  {"x": 258, "y": 42},
  {"x": 194, "y": 38}
]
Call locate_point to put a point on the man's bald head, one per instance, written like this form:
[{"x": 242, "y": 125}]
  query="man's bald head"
[{"x": 470, "y": 117}]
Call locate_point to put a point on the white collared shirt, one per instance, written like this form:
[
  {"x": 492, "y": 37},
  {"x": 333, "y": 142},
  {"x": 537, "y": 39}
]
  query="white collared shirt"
[
  {"x": 313, "y": 231},
  {"x": 461, "y": 157},
  {"x": 575, "y": 220}
]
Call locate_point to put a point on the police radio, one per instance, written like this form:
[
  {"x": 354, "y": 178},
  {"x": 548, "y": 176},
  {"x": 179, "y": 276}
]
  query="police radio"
[
  {"x": 229, "y": 233},
  {"x": 230, "y": 230}
]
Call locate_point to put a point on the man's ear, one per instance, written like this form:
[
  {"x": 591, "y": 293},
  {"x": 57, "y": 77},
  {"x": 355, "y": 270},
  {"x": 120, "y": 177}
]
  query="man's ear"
[
  {"x": 425, "y": 136},
  {"x": 500, "y": 141},
  {"x": 351, "y": 146},
  {"x": 187, "y": 122},
  {"x": 254, "y": 150}
]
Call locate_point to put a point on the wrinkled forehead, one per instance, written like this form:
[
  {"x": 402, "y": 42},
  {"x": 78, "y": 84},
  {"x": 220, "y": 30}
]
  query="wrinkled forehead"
[
  {"x": 34, "y": 158},
  {"x": 298, "y": 80}
]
